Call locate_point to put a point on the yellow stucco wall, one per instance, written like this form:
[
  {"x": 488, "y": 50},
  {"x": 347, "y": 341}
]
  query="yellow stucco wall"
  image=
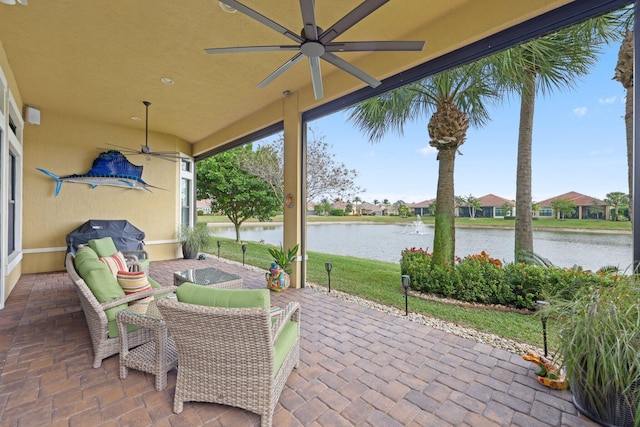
[
  {"x": 68, "y": 145},
  {"x": 12, "y": 277}
]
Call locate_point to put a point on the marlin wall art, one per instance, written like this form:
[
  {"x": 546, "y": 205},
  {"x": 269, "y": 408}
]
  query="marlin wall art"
[{"x": 109, "y": 168}]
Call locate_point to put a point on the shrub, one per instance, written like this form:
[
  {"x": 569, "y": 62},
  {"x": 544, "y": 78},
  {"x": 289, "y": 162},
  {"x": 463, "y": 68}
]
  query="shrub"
[
  {"x": 480, "y": 278},
  {"x": 337, "y": 212}
]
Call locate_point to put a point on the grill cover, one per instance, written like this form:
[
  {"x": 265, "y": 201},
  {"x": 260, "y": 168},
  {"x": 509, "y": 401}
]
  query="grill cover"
[{"x": 126, "y": 236}]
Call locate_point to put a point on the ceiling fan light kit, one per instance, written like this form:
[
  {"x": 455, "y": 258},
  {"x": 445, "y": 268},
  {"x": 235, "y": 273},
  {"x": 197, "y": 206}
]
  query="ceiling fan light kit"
[{"x": 314, "y": 43}]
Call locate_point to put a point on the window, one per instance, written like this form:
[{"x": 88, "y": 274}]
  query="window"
[
  {"x": 11, "y": 203},
  {"x": 187, "y": 192},
  {"x": 545, "y": 212}
]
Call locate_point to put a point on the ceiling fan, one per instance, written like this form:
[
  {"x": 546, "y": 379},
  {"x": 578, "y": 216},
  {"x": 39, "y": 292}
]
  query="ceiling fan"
[
  {"x": 316, "y": 43},
  {"x": 171, "y": 156}
]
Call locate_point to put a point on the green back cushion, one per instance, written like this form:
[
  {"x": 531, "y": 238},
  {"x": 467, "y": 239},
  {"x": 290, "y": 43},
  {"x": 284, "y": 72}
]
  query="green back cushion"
[
  {"x": 101, "y": 282},
  {"x": 103, "y": 247},
  {"x": 241, "y": 298},
  {"x": 228, "y": 298}
]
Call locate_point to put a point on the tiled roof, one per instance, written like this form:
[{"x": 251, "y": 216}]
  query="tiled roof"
[
  {"x": 493, "y": 200},
  {"x": 577, "y": 198},
  {"x": 422, "y": 204}
]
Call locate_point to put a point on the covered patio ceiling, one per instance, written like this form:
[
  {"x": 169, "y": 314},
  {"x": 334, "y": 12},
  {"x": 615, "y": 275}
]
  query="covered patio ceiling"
[{"x": 100, "y": 59}]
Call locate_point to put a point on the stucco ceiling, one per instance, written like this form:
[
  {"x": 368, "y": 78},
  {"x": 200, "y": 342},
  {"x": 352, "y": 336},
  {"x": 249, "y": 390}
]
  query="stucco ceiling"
[{"x": 100, "y": 59}]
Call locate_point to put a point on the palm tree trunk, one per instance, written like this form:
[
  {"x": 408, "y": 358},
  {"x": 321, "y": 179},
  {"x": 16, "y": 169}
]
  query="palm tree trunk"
[
  {"x": 444, "y": 234},
  {"x": 628, "y": 122},
  {"x": 524, "y": 226},
  {"x": 624, "y": 74}
]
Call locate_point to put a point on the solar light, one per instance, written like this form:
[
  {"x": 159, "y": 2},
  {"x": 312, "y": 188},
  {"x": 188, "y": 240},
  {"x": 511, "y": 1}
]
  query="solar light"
[
  {"x": 539, "y": 306},
  {"x": 328, "y": 267},
  {"x": 406, "y": 282},
  {"x": 219, "y": 244},
  {"x": 244, "y": 249}
]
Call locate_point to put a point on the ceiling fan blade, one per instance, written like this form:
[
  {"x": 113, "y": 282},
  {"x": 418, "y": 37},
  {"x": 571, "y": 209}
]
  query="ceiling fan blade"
[
  {"x": 350, "y": 19},
  {"x": 354, "y": 71},
  {"x": 167, "y": 158},
  {"x": 263, "y": 19},
  {"x": 375, "y": 46},
  {"x": 309, "y": 19},
  {"x": 316, "y": 77},
  {"x": 122, "y": 148},
  {"x": 284, "y": 67},
  {"x": 214, "y": 50}
]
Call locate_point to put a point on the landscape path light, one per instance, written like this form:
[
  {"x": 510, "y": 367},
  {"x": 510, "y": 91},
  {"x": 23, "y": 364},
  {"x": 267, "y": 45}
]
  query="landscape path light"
[
  {"x": 328, "y": 267},
  {"x": 219, "y": 243},
  {"x": 406, "y": 282},
  {"x": 244, "y": 249},
  {"x": 540, "y": 305}
]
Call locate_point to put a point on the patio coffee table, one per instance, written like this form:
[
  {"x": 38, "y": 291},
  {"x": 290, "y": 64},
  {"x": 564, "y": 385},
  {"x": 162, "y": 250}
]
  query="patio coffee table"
[
  {"x": 210, "y": 277},
  {"x": 156, "y": 357}
]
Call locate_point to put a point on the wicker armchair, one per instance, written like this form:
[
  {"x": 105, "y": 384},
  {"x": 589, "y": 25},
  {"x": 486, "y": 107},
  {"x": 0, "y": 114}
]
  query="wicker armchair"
[
  {"x": 226, "y": 355},
  {"x": 95, "y": 314}
]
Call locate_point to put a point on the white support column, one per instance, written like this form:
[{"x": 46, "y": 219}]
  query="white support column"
[{"x": 293, "y": 186}]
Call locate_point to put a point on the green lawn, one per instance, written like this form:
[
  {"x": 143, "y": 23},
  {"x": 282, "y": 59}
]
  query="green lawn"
[
  {"x": 380, "y": 282},
  {"x": 582, "y": 224}
]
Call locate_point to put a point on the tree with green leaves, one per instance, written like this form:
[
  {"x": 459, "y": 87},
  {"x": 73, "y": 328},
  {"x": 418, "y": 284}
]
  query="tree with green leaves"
[
  {"x": 535, "y": 208},
  {"x": 323, "y": 207},
  {"x": 236, "y": 193},
  {"x": 404, "y": 211},
  {"x": 432, "y": 208},
  {"x": 596, "y": 209},
  {"x": 357, "y": 200},
  {"x": 542, "y": 65},
  {"x": 454, "y": 100},
  {"x": 470, "y": 202},
  {"x": 506, "y": 209},
  {"x": 617, "y": 200},
  {"x": 563, "y": 208}
]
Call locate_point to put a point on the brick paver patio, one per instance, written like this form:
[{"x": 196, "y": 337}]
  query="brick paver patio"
[{"x": 358, "y": 367}]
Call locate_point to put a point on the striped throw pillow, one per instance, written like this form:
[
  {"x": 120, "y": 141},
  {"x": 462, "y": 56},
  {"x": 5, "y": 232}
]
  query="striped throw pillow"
[
  {"x": 134, "y": 282},
  {"x": 115, "y": 263}
]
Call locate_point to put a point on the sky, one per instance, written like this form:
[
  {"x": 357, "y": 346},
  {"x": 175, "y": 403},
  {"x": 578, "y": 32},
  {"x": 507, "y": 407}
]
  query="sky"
[{"x": 578, "y": 145}]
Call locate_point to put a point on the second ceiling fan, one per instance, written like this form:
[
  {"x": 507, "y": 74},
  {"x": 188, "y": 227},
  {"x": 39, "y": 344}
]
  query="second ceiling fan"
[{"x": 315, "y": 43}]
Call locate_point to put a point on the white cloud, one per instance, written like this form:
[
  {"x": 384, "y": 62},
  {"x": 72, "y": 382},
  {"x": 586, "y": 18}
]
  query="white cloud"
[
  {"x": 605, "y": 101},
  {"x": 425, "y": 151},
  {"x": 580, "y": 111}
]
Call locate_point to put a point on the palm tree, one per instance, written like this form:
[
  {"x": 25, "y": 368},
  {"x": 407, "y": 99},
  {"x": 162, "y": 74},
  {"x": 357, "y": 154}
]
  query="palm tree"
[
  {"x": 551, "y": 62},
  {"x": 454, "y": 99},
  {"x": 624, "y": 75},
  {"x": 616, "y": 199},
  {"x": 357, "y": 200}
]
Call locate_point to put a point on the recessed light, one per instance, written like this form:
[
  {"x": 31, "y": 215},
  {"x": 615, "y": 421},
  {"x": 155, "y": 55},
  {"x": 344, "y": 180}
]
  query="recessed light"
[
  {"x": 226, "y": 7},
  {"x": 167, "y": 80},
  {"x": 135, "y": 118}
]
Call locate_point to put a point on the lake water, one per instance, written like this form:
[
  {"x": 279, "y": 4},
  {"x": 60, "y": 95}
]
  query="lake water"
[{"x": 385, "y": 242}]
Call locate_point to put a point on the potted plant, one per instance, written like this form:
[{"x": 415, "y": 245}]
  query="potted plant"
[
  {"x": 193, "y": 239},
  {"x": 599, "y": 344},
  {"x": 278, "y": 275}
]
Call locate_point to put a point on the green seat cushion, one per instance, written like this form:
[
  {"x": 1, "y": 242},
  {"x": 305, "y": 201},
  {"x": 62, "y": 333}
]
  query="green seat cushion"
[
  {"x": 101, "y": 282},
  {"x": 229, "y": 298},
  {"x": 103, "y": 247},
  {"x": 284, "y": 344}
]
